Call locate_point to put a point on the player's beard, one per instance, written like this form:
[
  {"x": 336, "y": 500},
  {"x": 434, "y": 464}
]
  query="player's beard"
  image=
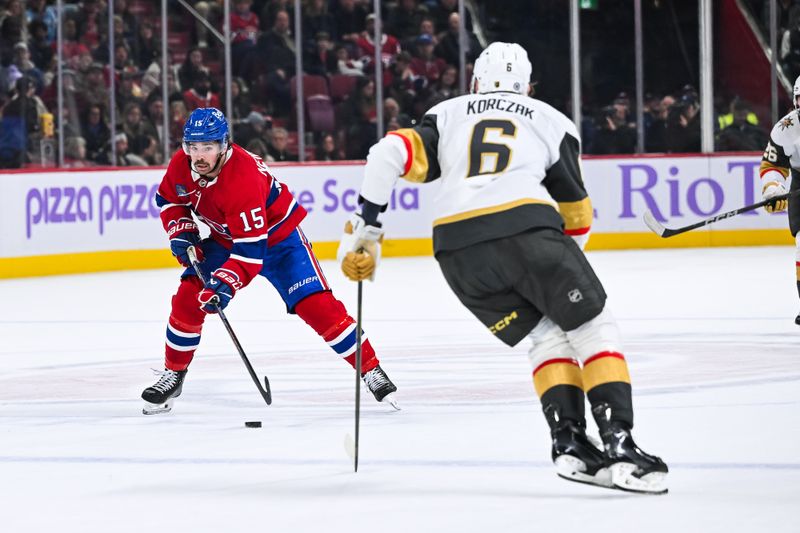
[
  {"x": 202, "y": 166},
  {"x": 208, "y": 167}
]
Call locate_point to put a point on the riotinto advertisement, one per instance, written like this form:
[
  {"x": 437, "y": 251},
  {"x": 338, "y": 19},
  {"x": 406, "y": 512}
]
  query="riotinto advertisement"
[
  {"x": 96, "y": 211},
  {"x": 677, "y": 190}
]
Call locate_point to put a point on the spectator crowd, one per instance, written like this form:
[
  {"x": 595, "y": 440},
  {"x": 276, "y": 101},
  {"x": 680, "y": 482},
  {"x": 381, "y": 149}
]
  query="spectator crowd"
[{"x": 419, "y": 61}]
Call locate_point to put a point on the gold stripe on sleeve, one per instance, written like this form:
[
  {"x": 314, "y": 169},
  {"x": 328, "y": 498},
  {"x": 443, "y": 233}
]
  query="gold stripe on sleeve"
[
  {"x": 576, "y": 215},
  {"x": 767, "y": 166},
  {"x": 418, "y": 169}
]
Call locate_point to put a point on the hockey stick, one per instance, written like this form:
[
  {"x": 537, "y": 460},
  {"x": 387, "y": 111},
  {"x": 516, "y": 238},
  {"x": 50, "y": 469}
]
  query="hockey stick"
[
  {"x": 665, "y": 232},
  {"x": 358, "y": 373},
  {"x": 351, "y": 445},
  {"x": 265, "y": 390}
]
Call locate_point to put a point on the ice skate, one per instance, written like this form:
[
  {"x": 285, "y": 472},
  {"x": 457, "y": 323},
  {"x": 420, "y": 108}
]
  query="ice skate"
[
  {"x": 577, "y": 458},
  {"x": 797, "y": 319},
  {"x": 631, "y": 469},
  {"x": 380, "y": 386},
  {"x": 160, "y": 397}
]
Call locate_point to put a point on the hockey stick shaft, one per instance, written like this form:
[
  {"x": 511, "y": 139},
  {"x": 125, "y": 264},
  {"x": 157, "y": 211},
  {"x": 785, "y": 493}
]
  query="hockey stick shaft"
[
  {"x": 358, "y": 373},
  {"x": 265, "y": 391},
  {"x": 664, "y": 232}
]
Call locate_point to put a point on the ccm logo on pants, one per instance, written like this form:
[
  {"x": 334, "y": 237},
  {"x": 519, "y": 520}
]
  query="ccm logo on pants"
[{"x": 501, "y": 324}]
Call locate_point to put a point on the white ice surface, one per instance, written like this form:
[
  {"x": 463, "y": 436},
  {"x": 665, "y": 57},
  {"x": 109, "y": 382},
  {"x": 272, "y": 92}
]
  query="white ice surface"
[{"x": 710, "y": 340}]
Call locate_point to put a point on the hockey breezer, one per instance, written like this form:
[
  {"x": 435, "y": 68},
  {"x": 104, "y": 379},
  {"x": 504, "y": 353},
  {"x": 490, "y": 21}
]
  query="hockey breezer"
[
  {"x": 265, "y": 391},
  {"x": 665, "y": 232}
]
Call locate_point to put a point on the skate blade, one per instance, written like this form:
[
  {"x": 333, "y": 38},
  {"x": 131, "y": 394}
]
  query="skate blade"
[
  {"x": 573, "y": 469},
  {"x": 157, "y": 408},
  {"x": 623, "y": 479},
  {"x": 390, "y": 399}
]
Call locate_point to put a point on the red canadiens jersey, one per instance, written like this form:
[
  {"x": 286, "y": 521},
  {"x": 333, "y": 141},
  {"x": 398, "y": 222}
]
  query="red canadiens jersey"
[{"x": 246, "y": 208}]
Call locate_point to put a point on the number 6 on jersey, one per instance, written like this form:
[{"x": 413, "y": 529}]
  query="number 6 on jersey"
[{"x": 480, "y": 149}]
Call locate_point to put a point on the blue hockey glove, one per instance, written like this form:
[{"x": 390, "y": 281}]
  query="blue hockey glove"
[
  {"x": 218, "y": 291},
  {"x": 183, "y": 234}
]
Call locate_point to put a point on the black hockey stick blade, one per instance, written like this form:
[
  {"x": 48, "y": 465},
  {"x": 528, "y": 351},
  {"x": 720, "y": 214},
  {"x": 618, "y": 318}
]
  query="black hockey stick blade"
[
  {"x": 662, "y": 231},
  {"x": 265, "y": 391}
]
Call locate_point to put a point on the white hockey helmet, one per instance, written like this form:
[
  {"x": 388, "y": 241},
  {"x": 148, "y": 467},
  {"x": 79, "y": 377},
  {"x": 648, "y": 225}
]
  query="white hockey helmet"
[
  {"x": 796, "y": 93},
  {"x": 502, "y": 67}
]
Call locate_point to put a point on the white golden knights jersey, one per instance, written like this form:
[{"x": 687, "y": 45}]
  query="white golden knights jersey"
[
  {"x": 781, "y": 160},
  {"x": 508, "y": 163},
  {"x": 783, "y": 150}
]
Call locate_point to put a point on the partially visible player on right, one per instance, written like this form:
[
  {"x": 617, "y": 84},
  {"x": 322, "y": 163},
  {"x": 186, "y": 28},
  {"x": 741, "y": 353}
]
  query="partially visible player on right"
[{"x": 780, "y": 161}]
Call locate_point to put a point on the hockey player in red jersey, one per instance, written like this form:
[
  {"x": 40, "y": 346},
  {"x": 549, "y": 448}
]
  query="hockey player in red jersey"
[
  {"x": 511, "y": 218},
  {"x": 254, "y": 222}
]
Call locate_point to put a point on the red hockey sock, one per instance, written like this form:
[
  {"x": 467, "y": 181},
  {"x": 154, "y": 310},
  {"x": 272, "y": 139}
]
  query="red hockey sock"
[
  {"x": 185, "y": 325},
  {"x": 329, "y": 318}
]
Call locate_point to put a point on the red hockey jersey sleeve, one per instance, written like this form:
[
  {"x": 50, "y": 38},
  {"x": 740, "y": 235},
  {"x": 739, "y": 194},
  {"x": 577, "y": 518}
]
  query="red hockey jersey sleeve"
[{"x": 173, "y": 199}]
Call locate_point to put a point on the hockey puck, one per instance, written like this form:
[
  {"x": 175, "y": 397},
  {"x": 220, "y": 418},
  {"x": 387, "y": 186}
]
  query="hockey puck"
[{"x": 254, "y": 424}]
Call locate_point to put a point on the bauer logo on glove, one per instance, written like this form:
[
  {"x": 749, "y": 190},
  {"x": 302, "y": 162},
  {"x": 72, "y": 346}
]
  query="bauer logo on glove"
[
  {"x": 181, "y": 225},
  {"x": 360, "y": 249},
  {"x": 218, "y": 291},
  {"x": 182, "y": 235}
]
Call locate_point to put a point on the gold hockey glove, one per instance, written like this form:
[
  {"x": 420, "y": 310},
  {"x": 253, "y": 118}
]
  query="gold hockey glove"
[
  {"x": 770, "y": 189},
  {"x": 358, "y": 266},
  {"x": 360, "y": 249}
]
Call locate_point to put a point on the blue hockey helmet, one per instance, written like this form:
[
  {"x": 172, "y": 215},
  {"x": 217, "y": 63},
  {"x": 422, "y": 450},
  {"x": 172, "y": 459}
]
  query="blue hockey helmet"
[{"x": 206, "y": 124}]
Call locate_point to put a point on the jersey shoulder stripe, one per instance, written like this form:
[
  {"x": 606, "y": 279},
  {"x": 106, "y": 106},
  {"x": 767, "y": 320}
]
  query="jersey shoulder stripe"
[
  {"x": 274, "y": 192},
  {"x": 422, "y": 150},
  {"x": 163, "y": 203}
]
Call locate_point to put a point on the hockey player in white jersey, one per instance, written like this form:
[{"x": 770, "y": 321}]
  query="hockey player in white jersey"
[
  {"x": 512, "y": 217},
  {"x": 781, "y": 161}
]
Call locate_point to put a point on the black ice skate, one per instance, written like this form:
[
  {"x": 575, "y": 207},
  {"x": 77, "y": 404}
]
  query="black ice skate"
[
  {"x": 160, "y": 397},
  {"x": 631, "y": 468},
  {"x": 380, "y": 386},
  {"x": 576, "y": 458},
  {"x": 797, "y": 319}
]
